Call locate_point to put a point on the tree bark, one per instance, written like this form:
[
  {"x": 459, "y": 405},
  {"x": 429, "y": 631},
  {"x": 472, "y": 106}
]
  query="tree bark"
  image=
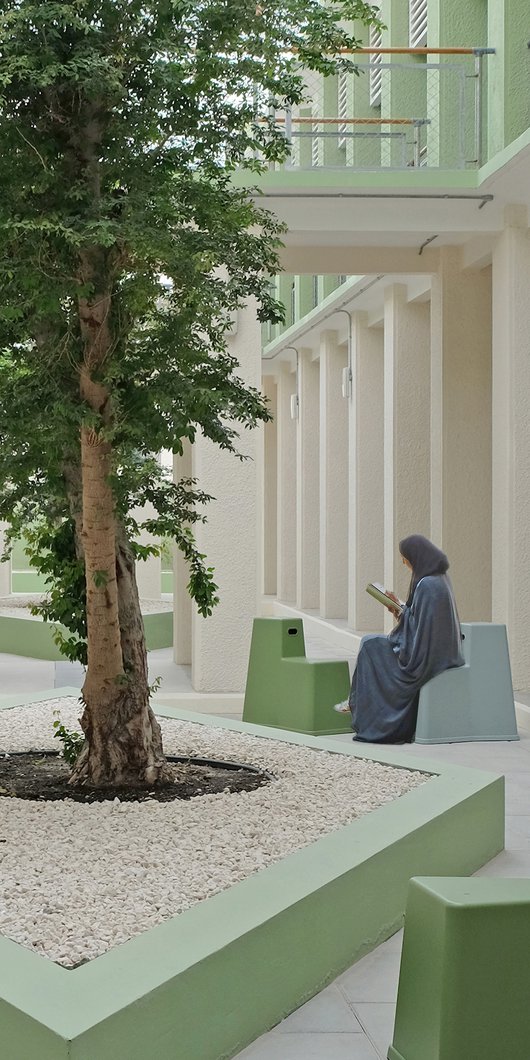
[
  {"x": 123, "y": 742},
  {"x": 146, "y": 737}
]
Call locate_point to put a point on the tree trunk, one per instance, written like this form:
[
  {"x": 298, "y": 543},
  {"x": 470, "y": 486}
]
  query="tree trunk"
[{"x": 123, "y": 742}]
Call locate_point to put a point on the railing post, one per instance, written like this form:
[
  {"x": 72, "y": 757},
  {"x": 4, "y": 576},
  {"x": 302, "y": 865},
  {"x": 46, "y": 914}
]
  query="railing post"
[
  {"x": 288, "y": 127},
  {"x": 417, "y": 145},
  {"x": 478, "y": 107}
]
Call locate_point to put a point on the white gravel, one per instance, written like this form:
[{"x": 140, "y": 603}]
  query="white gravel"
[
  {"x": 78, "y": 879},
  {"x": 18, "y": 606}
]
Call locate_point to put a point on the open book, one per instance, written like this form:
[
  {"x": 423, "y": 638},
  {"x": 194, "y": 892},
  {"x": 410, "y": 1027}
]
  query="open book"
[{"x": 378, "y": 592}]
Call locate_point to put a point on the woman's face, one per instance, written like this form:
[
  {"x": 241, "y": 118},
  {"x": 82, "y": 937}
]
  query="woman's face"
[{"x": 406, "y": 563}]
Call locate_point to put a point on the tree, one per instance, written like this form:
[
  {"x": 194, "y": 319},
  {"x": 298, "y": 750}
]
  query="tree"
[{"x": 125, "y": 248}]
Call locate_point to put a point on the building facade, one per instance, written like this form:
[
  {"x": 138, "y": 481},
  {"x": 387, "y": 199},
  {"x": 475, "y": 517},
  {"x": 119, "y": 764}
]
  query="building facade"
[{"x": 400, "y": 383}]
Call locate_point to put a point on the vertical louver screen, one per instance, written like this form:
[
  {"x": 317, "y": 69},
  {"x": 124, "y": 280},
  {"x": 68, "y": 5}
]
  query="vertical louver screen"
[
  {"x": 376, "y": 40},
  {"x": 315, "y": 146},
  {"x": 342, "y": 106},
  {"x": 418, "y": 23}
]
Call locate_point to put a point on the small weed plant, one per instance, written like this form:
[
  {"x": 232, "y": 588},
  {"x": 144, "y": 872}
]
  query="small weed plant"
[{"x": 71, "y": 740}]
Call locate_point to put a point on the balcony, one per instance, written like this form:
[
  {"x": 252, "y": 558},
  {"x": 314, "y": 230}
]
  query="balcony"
[{"x": 404, "y": 109}]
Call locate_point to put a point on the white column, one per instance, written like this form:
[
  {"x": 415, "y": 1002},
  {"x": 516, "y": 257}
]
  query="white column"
[
  {"x": 333, "y": 479},
  {"x": 366, "y": 468},
  {"x": 5, "y": 568},
  {"x": 511, "y": 434},
  {"x": 407, "y": 427},
  {"x": 229, "y": 538},
  {"x": 270, "y": 490},
  {"x": 461, "y": 429},
  {"x": 307, "y": 494},
  {"x": 148, "y": 571},
  {"x": 286, "y": 496},
  {"x": 182, "y": 605}
]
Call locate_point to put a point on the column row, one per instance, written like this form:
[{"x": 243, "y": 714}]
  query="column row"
[{"x": 381, "y": 436}]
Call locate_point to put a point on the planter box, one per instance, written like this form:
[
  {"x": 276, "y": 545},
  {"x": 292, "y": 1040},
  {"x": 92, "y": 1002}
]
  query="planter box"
[
  {"x": 33, "y": 637},
  {"x": 206, "y": 983}
]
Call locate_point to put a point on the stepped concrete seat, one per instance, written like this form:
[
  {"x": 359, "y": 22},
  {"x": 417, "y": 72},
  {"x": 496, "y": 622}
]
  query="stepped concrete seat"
[
  {"x": 464, "y": 980},
  {"x": 474, "y": 701},
  {"x": 287, "y": 691}
]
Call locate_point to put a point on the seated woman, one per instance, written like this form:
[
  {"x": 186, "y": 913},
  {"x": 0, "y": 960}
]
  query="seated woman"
[{"x": 427, "y": 639}]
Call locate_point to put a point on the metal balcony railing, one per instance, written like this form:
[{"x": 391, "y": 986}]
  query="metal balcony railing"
[{"x": 393, "y": 114}]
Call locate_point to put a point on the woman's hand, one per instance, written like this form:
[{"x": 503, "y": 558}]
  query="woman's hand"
[{"x": 395, "y": 611}]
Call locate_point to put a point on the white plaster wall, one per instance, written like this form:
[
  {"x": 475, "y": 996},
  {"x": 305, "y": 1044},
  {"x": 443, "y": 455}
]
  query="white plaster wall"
[
  {"x": 149, "y": 571},
  {"x": 461, "y": 429},
  {"x": 308, "y": 483},
  {"x": 366, "y": 489},
  {"x": 270, "y": 490},
  {"x": 5, "y": 568},
  {"x": 220, "y": 644},
  {"x": 286, "y": 495},
  {"x": 333, "y": 479},
  {"x": 511, "y": 440},
  {"x": 182, "y": 605},
  {"x": 407, "y": 428}
]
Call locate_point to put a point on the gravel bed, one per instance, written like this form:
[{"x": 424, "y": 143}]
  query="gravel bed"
[
  {"x": 18, "y": 606},
  {"x": 79, "y": 879}
]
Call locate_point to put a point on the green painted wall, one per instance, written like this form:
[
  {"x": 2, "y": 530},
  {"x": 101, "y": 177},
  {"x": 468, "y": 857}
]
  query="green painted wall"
[
  {"x": 508, "y": 87},
  {"x": 452, "y": 92},
  {"x": 167, "y": 581},
  {"x": 25, "y": 579},
  {"x": 404, "y": 90}
]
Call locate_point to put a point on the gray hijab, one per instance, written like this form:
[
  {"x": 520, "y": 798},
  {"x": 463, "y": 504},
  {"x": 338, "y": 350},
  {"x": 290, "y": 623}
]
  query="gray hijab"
[{"x": 425, "y": 559}]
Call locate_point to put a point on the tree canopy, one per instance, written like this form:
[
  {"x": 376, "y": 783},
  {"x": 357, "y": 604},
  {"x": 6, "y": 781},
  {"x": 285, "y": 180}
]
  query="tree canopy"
[{"x": 126, "y": 246}]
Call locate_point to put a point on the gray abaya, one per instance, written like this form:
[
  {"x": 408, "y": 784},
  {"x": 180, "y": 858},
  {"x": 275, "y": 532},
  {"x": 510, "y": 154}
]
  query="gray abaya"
[{"x": 391, "y": 670}]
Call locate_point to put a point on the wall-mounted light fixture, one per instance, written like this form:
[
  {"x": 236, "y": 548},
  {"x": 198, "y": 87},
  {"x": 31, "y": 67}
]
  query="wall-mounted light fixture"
[
  {"x": 295, "y": 398},
  {"x": 346, "y": 382},
  {"x": 347, "y": 373}
]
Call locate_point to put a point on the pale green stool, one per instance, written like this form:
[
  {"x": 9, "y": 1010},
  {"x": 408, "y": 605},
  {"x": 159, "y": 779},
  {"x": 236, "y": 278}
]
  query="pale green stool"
[
  {"x": 475, "y": 701},
  {"x": 464, "y": 983},
  {"x": 287, "y": 691}
]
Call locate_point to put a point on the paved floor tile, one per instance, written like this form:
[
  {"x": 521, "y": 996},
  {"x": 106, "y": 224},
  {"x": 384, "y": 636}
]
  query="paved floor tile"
[
  {"x": 518, "y": 793},
  {"x": 375, "y": 978},
  {"x": 19, "y": 674},
  {"x": 377, "y": 1020},
  {"x": 518, "y": 832},
  {"x": 392, "y": 945},
  {"x": 327, "y": 1012},
  {"x": 275, "y": 1046},
  {"x": 514, "y": 863}
]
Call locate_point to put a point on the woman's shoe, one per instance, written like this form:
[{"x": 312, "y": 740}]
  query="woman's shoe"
[{"x": 342, "y": 708}]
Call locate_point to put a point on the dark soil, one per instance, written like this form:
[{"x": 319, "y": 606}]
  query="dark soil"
[{"x": 43, "y": 776}]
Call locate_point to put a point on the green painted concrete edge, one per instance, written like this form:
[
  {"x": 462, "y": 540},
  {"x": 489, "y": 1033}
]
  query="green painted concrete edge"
[
  {"x": 322, "y": 178},
  {"x": 26, "y": 698},
  {"x": 502, "y": 158},
  {"x": 158, "y": 628},
  {"x": 29, "y": 637},
  {"x": 294, "y": 179},
  {"x": 33, "y": 638},
  {"x": 186, "y": 981}
]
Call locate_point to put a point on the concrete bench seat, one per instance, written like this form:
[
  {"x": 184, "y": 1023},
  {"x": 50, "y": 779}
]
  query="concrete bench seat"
[
  {"x": 474, "y": 701},
  {"x": 287, "y": 691},
  {"x": 464, "y": 979}
]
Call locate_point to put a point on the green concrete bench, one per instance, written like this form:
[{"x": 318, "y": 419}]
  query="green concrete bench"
[
  {"x": 475, "y": 701},
  {"x": 464, "y": 981},
  {"x": 288, "y": 691}
]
